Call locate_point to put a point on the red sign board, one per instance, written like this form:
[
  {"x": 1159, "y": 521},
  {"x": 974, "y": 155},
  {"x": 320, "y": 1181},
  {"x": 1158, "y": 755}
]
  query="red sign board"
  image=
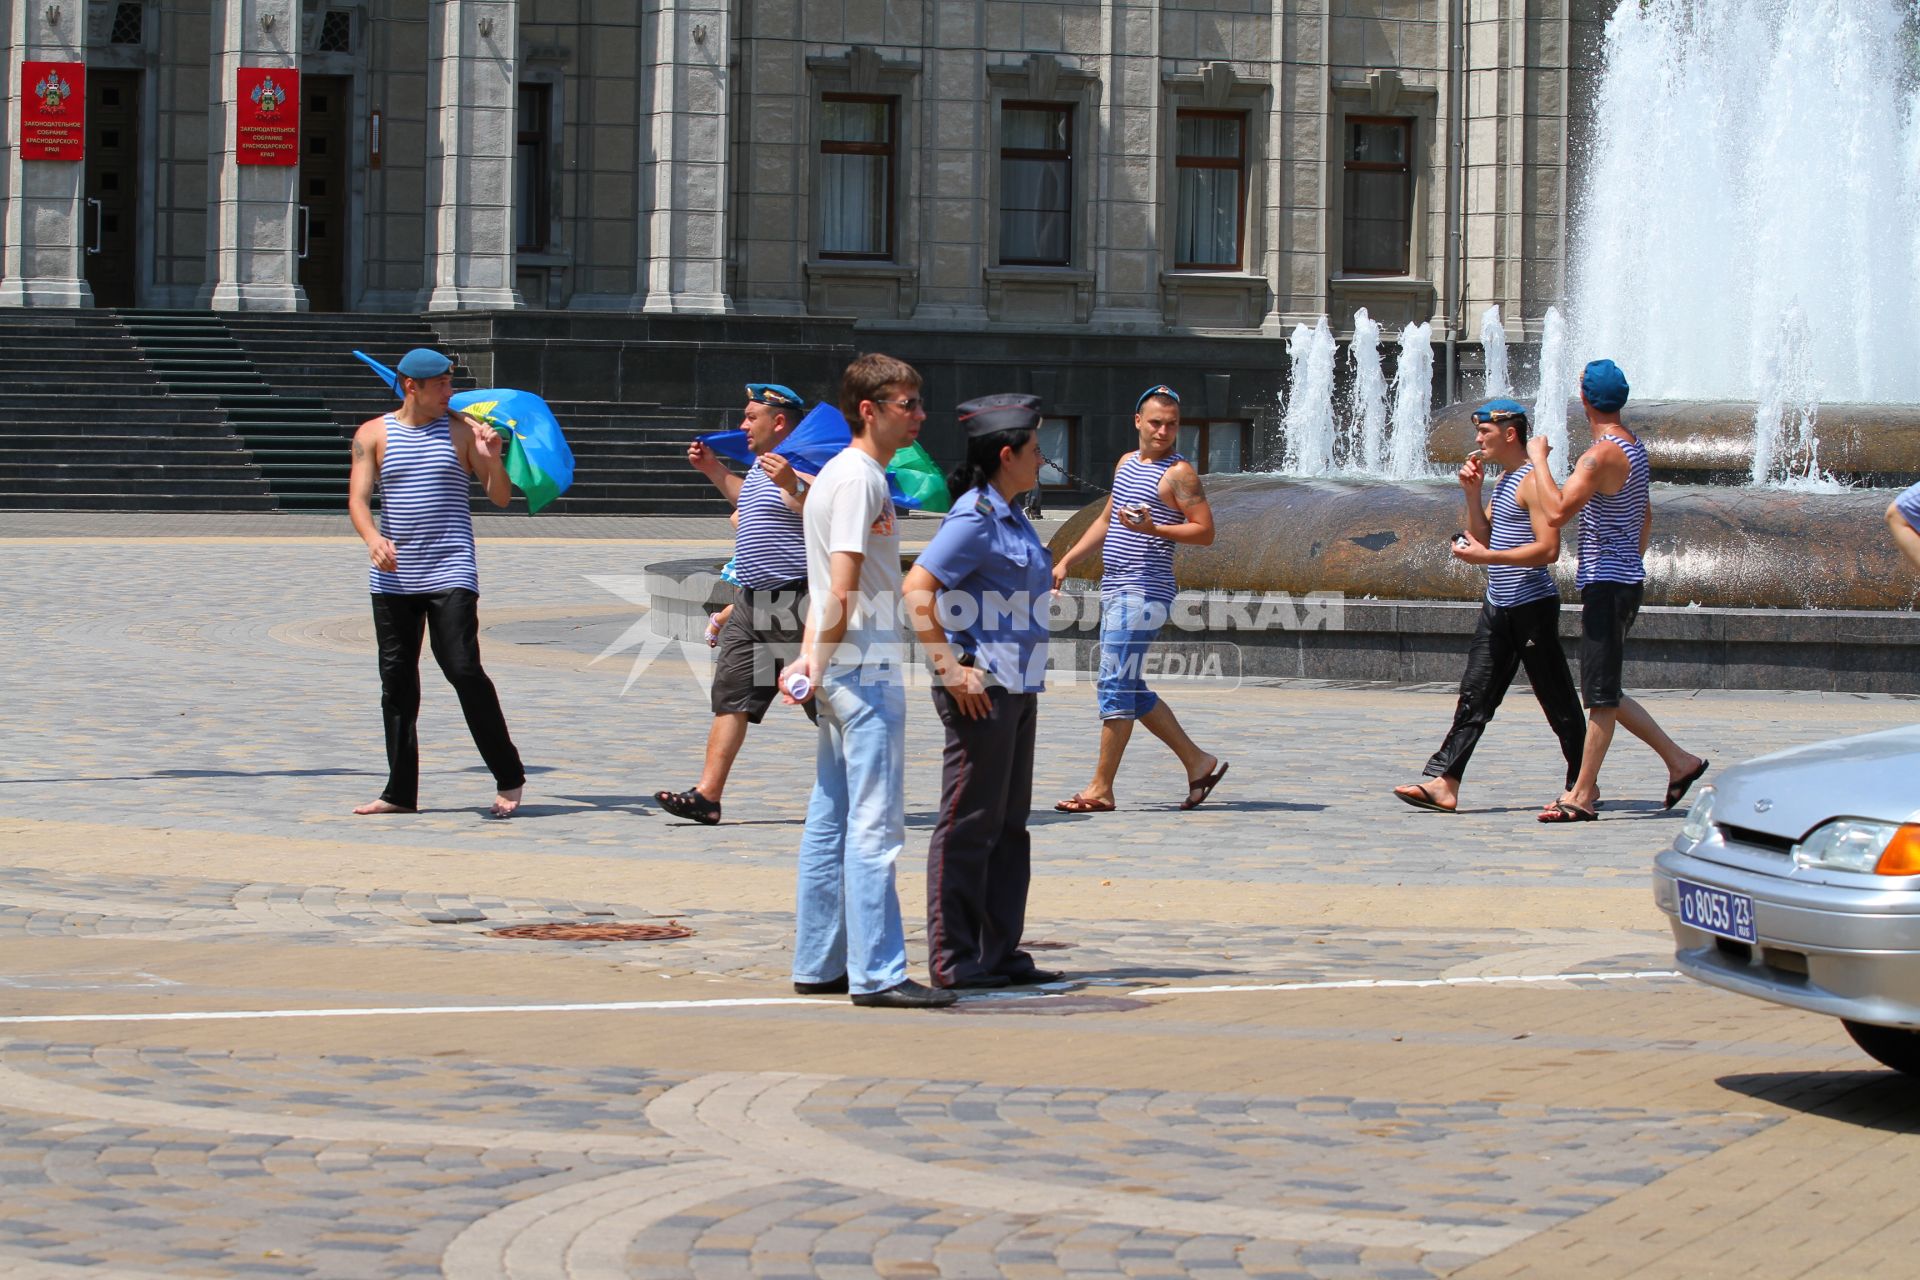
[
  {"x": 53, "y": 114},
  {"x": 267, "y": 130}
]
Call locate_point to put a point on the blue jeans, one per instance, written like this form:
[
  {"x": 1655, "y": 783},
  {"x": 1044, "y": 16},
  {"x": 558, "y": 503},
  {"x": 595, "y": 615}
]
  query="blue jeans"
[
  {"x": 1128, "y": 623},
  {"x": 847, "y": 918}
]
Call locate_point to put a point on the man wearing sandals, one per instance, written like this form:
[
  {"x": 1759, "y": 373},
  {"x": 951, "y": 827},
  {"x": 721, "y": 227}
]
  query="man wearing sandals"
[
  {"x": 1609, "y": 488},
  {"x": 770, "y": 561},
  {"x": 1520, "y": 619},
  {"x": 1156, "y": 502}
]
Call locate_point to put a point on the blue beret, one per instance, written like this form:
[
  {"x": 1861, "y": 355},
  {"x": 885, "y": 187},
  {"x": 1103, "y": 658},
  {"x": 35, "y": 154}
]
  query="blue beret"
[
  {"x": 774, "y": 394},
  {"x": 423, "y": 362},
  {"x": 1160, "y": 389},
  {"x": 1604, "y": 386},
  {"x": 1495, "y": 410},
  {"x": 1006, "y": 412}
]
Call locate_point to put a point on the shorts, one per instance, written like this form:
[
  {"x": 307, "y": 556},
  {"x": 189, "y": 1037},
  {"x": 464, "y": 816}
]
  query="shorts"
[
  {"x": 759, "y": 640},
  {"x": 1607, "y": 611},
  {"x": 1128, "y": 623}
]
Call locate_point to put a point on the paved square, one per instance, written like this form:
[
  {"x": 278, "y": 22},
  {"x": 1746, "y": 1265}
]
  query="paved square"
[{"x": 1309, "y": 1031}]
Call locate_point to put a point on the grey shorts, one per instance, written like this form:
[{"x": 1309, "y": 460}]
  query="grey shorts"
[{"x": 761, "y": 638}]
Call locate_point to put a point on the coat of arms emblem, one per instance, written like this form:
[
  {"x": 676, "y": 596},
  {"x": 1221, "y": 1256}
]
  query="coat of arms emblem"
[
  {"x": 268, "y": 96},
  {"x": 53, "y": 92}
]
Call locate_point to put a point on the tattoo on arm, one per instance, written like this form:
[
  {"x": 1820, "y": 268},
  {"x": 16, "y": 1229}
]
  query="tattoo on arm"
[
  {"x": 1187, "y": 491},
  {"x": 359, "y": 451},
  {"x": 1589, "y": 463}
]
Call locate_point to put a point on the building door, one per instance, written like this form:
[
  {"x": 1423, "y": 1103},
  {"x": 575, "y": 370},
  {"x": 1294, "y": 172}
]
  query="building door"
[
  {"x": 325, "y": 104},
  {"x": 111, "y": 226}
]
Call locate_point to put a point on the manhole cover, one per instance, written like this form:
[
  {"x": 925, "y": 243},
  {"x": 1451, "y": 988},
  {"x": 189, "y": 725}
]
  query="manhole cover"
[{"x": 564, "y": 931}]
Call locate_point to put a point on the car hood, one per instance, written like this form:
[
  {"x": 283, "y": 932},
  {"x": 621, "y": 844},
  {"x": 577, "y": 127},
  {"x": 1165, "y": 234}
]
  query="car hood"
[{"x": 1789, "y": 793}]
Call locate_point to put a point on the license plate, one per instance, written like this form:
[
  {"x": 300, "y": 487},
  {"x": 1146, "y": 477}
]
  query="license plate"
[{"x": 1717, "y": 911}]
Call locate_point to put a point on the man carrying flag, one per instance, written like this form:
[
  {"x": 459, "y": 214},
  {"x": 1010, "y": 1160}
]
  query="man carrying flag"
[
  {"x": 424, "y": 574},
  {"x": 770, "y": 559}
]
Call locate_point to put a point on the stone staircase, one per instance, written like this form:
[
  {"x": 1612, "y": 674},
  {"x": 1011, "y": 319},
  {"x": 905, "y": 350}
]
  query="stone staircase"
[
  {"x": 93, "y": 427},
  {"x": 151, "y": 410}
]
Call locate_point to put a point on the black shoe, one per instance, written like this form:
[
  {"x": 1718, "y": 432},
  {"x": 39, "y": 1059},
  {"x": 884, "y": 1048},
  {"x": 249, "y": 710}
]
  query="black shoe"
[
  {"x": 981, "y": 982},
  {"x": 907, "y": 995},
  {"x": 831, "y": 987},
  {"x": 689, "y": 804},
  {"x": 1032, "y": 977}
]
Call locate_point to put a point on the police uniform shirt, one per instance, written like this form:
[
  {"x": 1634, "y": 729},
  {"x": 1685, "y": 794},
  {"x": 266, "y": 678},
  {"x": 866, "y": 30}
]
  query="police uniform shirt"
[{"x": 989, "y": 553}]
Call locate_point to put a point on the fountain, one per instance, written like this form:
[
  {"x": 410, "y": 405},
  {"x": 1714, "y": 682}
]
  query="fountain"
[
  {"x": 1367, "y": 398},
  {"x": 1493, "y": 346},
  {"x": 1412, "y": 403},
  {"x": 1748, "y": 249},
  {"x": 1555, "y": 391},
  {"x": 1308, "y": 424}
]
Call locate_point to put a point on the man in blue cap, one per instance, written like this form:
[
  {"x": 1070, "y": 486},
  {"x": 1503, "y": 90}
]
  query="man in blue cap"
[
  {"x": 1610, "y": 489},
  {"x": 762, "y": 631},
  {"x": 1520, "y": 620},
  {"x": 424, "y": 575}
]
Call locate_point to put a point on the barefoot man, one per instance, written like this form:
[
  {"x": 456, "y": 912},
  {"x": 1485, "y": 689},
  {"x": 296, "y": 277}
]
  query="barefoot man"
[
  {"x": 1609, "y": 488},
  {"x": 1520, "y": 620},
  {"x": 424, "y": 576},
  {"x": 1156, "y": 502}
]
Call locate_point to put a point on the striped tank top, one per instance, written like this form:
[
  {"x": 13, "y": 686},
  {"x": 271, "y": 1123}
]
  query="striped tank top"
[
  {"x": 1141, "y": 563},
  {"x": 1509, "y": 585},
  {"x": 770, "y": 548},
  {"x": 1610, "y": 523},
  {"x": 424, "y": 512}
]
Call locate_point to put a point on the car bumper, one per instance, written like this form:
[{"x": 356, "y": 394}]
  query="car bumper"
[{"x": 1847, "y": 952}]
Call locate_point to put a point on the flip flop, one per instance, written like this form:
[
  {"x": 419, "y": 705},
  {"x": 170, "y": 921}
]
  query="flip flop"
[
  {"x": 689, "y": 804},
  {"x": 1678, "y": 788},
  {"x": 1561, "y": 811},
  {"x": 1423, "y": 801},
  {"x": 1080, "y": 804},
  {"x": 1204, "y": 786}
]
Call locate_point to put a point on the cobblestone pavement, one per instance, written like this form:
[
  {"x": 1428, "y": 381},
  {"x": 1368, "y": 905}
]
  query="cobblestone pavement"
[{"x": 1305, "y": 1031}]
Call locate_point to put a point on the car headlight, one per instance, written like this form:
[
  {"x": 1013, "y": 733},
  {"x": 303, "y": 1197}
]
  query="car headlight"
[
  {"x": 1699, "y": 823},
  {"x": 1854, "y": 844}
]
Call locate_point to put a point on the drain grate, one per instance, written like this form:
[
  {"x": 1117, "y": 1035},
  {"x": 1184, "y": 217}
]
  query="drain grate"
[{"x": 566, "y": 931}]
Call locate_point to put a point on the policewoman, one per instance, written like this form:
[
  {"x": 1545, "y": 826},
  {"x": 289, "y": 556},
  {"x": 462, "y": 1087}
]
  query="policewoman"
[{"x": 977, "y": 599}]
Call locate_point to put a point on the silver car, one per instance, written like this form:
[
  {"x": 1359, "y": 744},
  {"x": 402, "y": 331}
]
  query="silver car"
[{"x": 1796, "y": 879}]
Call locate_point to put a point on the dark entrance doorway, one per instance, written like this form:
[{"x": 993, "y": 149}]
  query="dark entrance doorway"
[
  {"x": 326, "y": 102},
  {"x": 111, "y": 227}
]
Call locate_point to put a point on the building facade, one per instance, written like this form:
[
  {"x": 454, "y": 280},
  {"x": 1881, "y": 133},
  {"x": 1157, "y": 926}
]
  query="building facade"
[{"x": 958, "y": 176}]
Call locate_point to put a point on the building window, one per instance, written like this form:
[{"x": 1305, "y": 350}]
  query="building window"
[
  {"x": 1378, "y": 222},
  {"x": 128, "y": 25},
  {"x": 856, "y": 176},
  {"x": 336, "y": 31},
  {"x": 1060, "y": 446},
  {"x": 1036, "y": 185},
  {"x": 1216, "y": 448},
  {"x": 1210, "y": 167},
  {"x": 532, "y": 143}
]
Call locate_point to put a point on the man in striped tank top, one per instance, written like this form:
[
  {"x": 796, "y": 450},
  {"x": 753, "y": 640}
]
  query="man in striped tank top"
[
  {"x": 762, "y": 631},
  {"x": 1520, "y": 619},
  {"x": 424, "y": 575},
  {"x": 1156, "y": 502},
  {"x": 1610, "y": 490}
]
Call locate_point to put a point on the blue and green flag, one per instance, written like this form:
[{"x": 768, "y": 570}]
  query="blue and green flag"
[{"x": 538, "y": 460}]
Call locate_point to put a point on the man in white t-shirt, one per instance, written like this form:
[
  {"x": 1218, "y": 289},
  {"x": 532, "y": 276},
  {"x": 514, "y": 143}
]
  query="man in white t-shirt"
[{"x": 847, "y": 930}]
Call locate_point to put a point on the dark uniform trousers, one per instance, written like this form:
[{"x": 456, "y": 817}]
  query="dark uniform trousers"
[
  {"x": 979, "y": 862},
  {"x": 1508, "y": 638}
]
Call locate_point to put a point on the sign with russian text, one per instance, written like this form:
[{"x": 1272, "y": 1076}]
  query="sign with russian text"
[
  {"x": 267, "y": 128},
  {"x": 53, "y": 114}
]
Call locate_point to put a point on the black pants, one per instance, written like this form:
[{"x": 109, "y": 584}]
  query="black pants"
[
  {"x": 452, "y": 619},
  {"x": 1507, "y": 639},
  {"x": 979, "y": 862}
]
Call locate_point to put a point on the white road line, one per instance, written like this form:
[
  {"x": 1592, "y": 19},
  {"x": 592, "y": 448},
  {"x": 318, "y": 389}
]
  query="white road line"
[{"x": 642, "y": 1006}]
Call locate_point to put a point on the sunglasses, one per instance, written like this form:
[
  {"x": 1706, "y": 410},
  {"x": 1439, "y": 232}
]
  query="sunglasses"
[{"x": 905, "y": 406}]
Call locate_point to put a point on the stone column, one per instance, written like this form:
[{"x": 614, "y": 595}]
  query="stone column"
[
  {"x": 683, "y": 179},
  {"x": 472, "y": 92},
  {"x": 45, "y": 226},
  {"x": 253, "y": 232}
]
